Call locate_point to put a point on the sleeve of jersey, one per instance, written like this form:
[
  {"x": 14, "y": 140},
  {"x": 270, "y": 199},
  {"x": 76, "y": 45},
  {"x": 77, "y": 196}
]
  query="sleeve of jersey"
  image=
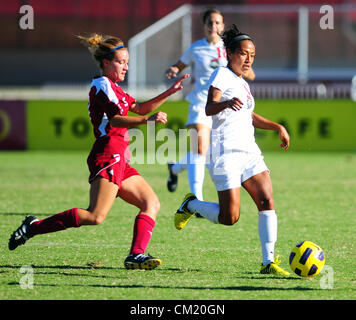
[
  {"x": 108, "y": 100},
  {"x": 186, "y": 57},
  {"x": 217, "y": 80},
  {"x": 130, "y": 100}
]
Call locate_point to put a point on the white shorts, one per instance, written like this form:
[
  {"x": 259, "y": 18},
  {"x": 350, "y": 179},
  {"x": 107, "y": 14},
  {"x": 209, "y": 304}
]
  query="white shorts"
[
  {"x": 197, "y": 115},
  {"x": 230, "y": 170}
]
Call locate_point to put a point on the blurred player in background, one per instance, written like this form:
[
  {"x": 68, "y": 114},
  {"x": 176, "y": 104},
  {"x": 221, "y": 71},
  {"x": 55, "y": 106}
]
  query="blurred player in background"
[
  {"x": 235, "y": 157},
  {"x": 204, "y": 56},
  {"x": 111, "y": 175}
]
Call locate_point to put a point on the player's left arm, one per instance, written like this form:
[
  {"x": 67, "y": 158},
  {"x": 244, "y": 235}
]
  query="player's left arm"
[
  {"x": 263, "y": 123},
  {"x": 119, "y": 121},
  {"x": 146, "y": 107}
]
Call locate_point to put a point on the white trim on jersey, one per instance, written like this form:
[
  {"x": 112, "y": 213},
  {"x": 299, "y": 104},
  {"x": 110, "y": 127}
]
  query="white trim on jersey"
[
  {"x": 117, "y": 159},
  {"x": 104, "y": 84},
  {"x": 103, "y": 124}
]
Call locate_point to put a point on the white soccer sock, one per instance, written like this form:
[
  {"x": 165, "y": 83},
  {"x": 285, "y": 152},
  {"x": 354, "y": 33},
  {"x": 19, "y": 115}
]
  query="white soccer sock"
[
  {"x": 267, "y": 231},
  {"x": 182, "y": 164},
  {"x": 209, "y": 210},
  {"x": 196, "y": 173}
]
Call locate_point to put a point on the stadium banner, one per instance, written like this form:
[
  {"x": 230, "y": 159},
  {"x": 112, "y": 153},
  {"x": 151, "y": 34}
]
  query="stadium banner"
[
  {"x": 13, "y": 125},
  {"x": 58, "y": 125},
  {"x": 65, "y": 125},
  {"x": 313, "y": 125}
]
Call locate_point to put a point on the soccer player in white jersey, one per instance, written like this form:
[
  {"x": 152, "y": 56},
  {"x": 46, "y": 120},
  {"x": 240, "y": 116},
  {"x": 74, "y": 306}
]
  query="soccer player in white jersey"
[
  {"x": 235, "y": 158},
  {"x": 204, "y": 56}
]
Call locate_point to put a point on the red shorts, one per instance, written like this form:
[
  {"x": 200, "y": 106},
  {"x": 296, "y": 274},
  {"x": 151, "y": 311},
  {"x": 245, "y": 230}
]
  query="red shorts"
[{"x": 111, "y": 166}]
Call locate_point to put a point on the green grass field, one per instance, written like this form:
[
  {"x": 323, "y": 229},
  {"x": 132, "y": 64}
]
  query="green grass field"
[{"x": 315, "y": 200}]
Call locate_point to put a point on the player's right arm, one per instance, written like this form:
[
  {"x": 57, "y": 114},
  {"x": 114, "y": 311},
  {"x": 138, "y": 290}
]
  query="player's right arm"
[
  {"x": 175, "y": 69},
  {"x": 214, "y": 105}
]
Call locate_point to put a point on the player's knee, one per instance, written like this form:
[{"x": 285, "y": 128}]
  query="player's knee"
[
  {"x": 230, "y": 221},
  {"x": 229, "y": 217},
  {"x": 151, "y": 206},
  {"x": 266, "y": 203},
  {"x": 155, "y": 206},
  {"x": 97, "y": 217}
]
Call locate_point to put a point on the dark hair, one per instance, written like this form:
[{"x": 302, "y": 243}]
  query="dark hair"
[
  {"x": 208, "y": 12},
  {"x": 232, "y": 38}
]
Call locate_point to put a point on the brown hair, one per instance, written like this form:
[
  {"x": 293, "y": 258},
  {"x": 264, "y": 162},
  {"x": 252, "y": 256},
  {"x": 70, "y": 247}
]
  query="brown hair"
[
  {"x": 208, "y": 12},
  {"x": 100, "y": 46}
]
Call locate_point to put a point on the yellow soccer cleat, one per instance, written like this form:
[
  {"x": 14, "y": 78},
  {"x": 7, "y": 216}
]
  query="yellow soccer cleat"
[
  {"x": 183, "y": 215},
  {"x": 274, "y": 268}
]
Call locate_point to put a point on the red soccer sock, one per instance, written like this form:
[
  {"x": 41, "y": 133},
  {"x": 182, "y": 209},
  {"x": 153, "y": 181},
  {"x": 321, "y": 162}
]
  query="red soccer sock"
[
  {"x": 57, "y": 222},
  {"x": 142, "y": 233}
]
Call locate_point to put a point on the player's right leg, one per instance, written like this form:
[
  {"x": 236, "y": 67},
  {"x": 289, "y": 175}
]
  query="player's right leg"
[
  {"x": 102, "y": 196},
  {"x": 226, "y": 212},
  {"x": 183, "y": 214},
  {"x": 229, "y": 201}
]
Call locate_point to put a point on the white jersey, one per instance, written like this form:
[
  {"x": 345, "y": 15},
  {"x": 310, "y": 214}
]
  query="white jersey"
[
  {"x": 233, "y": 130},
  {"x": 203, "y": 58}
]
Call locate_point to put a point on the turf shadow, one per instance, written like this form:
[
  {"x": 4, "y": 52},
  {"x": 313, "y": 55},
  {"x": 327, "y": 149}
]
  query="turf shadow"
[
  {"x": 61, "y": 267},
  {"x": 233, "y": 288},
  {"x": 137, "y": 286}
]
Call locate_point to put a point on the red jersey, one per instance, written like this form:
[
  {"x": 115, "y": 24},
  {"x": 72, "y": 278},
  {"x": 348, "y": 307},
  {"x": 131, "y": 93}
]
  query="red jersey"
[{"x": 107, "y": 99}]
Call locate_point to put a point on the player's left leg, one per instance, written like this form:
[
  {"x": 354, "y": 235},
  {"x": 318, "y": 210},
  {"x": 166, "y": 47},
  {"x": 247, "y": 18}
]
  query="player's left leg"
[
  {"x": 136, "y": 191},
  {"x": 260, "y": 189}
]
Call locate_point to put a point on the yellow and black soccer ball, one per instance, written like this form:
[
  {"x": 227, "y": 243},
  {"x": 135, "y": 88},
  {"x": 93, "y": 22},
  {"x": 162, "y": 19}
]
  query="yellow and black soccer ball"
[{"x": 307, "y": 259}]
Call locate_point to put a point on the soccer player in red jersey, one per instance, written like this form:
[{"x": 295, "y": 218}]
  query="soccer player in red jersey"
[{"x": 111, "y": 175}]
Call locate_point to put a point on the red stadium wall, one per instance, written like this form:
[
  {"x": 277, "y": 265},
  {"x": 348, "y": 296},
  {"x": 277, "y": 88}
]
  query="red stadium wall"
[
  {"x": 51, "y": 53},
  {"x": 57, "y": 22}
]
